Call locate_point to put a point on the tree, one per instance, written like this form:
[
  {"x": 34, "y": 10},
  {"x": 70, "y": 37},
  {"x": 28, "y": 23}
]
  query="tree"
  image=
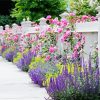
[
  {"x": 6, "y": 19},
  {"x": 84, "y": 7},
  {"x": 35, "y": 9}
]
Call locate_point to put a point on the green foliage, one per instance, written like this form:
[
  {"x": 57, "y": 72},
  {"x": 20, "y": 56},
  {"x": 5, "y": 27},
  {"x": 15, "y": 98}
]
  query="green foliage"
[
  {"x": 7, "y": 51},
  {"x": 82, "y": 7},
  {"x": 6, "y": 20},
  {"x": 35, "y": 9},
  {"x": 71, "y": 94},
  {"x": 17, "y": 57}
]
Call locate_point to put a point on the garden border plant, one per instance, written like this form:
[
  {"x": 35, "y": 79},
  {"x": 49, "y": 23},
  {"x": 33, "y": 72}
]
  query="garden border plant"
[{"x": 64, "y": 74}]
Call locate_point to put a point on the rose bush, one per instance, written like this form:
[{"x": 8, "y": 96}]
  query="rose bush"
[{"x": 54, "y": 58}]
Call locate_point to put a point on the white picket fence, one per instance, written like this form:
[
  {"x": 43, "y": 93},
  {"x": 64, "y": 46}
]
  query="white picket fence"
[{"x": 91, "y": 30}]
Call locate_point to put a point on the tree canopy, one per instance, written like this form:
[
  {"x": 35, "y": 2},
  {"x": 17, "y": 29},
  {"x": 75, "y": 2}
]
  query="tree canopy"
[
  {"x": 83, "y": 7},
  {"x": 35, "y": 9}
]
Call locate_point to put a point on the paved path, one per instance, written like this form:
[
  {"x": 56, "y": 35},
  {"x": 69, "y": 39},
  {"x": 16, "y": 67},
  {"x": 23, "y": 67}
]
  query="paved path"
[{"x": 16, "y": 85}]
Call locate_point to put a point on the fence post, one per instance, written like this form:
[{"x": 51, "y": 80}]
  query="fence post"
[
  {"x": 7, "y": 27},
  {"x": 63, "y": 15},
  {"x": 59, "y": 43},
  {"x": 25, "y": 24},
  {"x": 14, "y": 28},
  {"x": 43, "y": 25},
  {"x": 98, "y": 15},
  {"x": 1, "y": 29}
]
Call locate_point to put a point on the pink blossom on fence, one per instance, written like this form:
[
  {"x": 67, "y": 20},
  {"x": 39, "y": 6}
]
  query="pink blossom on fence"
[
  {"x": 47, "y": 58},
  {"x": 59, "y": 30},
  {"x": 52, "y": 49},
  {"x": 64, "y": 23},
  {"x": 15, "y": 38},
  {"x": 66, "y": 35},
  {"x": 55, "y": 21},
  {"x": 72, "y": 14},
  {"x": 48, "y": 17}
]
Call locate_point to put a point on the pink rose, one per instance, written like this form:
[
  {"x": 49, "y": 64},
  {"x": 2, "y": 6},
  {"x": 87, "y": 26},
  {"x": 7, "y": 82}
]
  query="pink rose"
[
  {"x": 42, "y": 35},
  {"x": 52, "y": 49},
  {"x": 15, "y": 38},
  {"x": 55, "y": 21},
  {"x": 77, "y": 46},
  {"x": 93, "y": 18},
  {"x": 48, "y": 17},
  {"x": 64, "y": 23},
  {"x": 84, "y": 18},
  {"x": 28, "y": 35},
  {"x": 65, "y": 36},
  {"x": 47, "y": 58},
  {"x": 59, "y": 30},
  {"x": 75, "y": 54},
  {"x": 72, "y": 14}
]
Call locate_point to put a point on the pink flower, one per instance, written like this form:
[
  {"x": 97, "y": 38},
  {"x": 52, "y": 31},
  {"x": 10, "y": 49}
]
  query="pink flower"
[
  {"x": 49, "y": 29},
  {"x": 47, "y": 58},
  {"x": 59, "y": 30},
  {"x": 15, "y": 38},
  {"x": 9, "y": 38},
  {"x": 64, "y": 22},
  {"x": 55, "y": 21},
  {"x": 28, "y": 35},
  {"x": 75, "y": 54},
  {"x": 4, "y": 46},
  {"x": 48, "y": 17},
  {"x": 4, "y": 32},
  {"x": 79, "y": 20},
  {"x": 84, "y": 18},
  {"x": 42, "y": 35},
  {"x": 37, "y": 28},
  {"x": 83, "y": 40},
  {"x": 77, "y": 46},
  {"x": 65, "y": 36},
  {"x": 58, "y": 23},
  {"x": 72, "y": 14},
  {"x": 93, "y": 18},
  {"x": 52, "y": 49}
]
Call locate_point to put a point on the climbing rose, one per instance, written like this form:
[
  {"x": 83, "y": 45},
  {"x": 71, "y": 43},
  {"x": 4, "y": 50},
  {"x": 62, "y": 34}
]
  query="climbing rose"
[
  {"x": 48, "y": 17},
  {"x": 47, "y": 58},
  {"x": 52, "y": 49},
  {"x": 59, "y": 30}
]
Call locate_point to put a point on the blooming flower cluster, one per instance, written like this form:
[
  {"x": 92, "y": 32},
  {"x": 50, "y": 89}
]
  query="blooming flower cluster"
[
  {"x": 78, "y": 85},
  {"x": 54, "y": 59}
]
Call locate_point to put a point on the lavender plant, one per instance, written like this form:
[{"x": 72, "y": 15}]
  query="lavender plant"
[
  {"x": 41, "y": 71},
  {"x": 9, "y": 56},
  {"x": 37, "y": 76},
  {"x": 82, "y": 85},
  {"x": 24, "y": 62}
]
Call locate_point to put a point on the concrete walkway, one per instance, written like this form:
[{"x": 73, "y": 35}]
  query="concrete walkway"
[{"x": 16, "y": 85}]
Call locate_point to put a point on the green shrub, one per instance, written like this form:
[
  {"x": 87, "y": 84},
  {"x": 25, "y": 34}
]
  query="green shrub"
[
  {"x": 83, "y": 7},
  {"x": 35, "y": 9},
  {"x": 6, "y": 20}
]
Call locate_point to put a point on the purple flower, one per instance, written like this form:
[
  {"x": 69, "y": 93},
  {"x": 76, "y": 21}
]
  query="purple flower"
[
  {"x": 52, "y": 86},
  {"x": 24, "y": 62},
  {"x": 86, "y": 82},
  {"x": 60, "y": 83},
  {"x": 37, "y": 76},
  {"x": 9, "y": 56}
]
